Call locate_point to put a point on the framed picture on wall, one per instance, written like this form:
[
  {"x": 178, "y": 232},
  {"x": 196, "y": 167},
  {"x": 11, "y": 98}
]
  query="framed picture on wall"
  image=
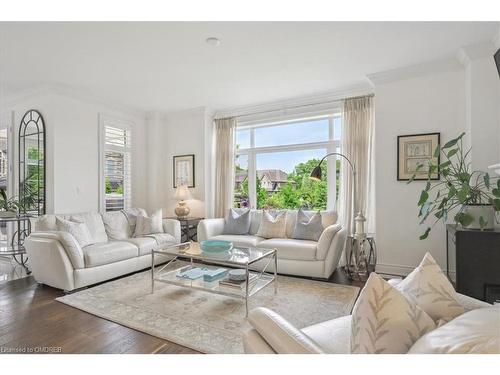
[
  {"x": 414, "y": 150},
  {"x": 184, "y": 170}
]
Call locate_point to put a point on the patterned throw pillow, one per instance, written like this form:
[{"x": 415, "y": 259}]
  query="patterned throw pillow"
[
  {"x": 79, "y": 230},
  {"x": 237, "y": 223},
  {"x": 149, "y": 225},
  {"x": 308, "y": 227},
  {"x": 272, "y": 227},
  {"x": 385, "y": 321},
  {"x": 430, "y": 289}
]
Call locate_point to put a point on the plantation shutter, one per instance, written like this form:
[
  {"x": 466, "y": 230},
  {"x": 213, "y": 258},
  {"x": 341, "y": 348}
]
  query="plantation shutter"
[{"x": 117, "y": 167}]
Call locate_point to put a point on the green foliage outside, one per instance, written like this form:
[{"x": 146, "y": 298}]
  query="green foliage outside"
[
  {"x": 110, "y": 190},
  {"x": 299, "y": 191}
]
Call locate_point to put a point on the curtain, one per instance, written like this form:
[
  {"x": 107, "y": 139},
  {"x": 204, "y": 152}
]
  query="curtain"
[
  {"x": 358, "y": 145},
  {"x": 224, "y": 164}
]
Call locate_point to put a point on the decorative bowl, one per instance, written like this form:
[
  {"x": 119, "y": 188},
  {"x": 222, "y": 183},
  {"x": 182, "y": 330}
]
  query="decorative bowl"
[
  {"x": 238, "y": 274},
  {"x": 215, "y": 246}
]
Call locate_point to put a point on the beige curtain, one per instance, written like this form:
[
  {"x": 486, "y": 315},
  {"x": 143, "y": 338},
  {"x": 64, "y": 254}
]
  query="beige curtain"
[
  {"x": 358, "y": 145},
  {"x": 224, "y": 164}
]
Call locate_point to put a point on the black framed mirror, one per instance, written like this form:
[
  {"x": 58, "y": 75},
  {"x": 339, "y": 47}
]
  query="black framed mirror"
[{"x": 32, "y": 163}]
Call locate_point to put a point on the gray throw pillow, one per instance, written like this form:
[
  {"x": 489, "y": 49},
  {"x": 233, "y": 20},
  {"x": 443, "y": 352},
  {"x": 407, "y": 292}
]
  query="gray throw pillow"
[
  {"x": 237, "y": 223},
  {"x": 308, "y": 228}
]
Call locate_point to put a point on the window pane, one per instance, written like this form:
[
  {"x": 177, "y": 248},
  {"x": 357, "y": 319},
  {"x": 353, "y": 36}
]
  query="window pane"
[
  {"x": 241, "y": 181},
  {"x": 242, "y": 139},
  {"x": 114, "y": 175},
  {"x": 283, "y": 180},
  {"x": 337, "y": 128},
  {"x": 289, "y": 134}
]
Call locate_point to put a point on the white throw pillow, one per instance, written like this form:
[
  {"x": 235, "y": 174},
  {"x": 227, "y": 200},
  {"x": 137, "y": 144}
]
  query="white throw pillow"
[
  {"x": 149, "y": 225},
  {"x": 430, "y": 289},
  {"x": 476, "y": 331},
  {"x": 79, "y": 230},
  {"x": 272, "y": 227},
  {"x": 385, "y": 321}
]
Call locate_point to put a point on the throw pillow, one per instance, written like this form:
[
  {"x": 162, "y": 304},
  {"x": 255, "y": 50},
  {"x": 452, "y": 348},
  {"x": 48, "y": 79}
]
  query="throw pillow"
[
  {"x": 430, "y": 289},
  {"x": 79, "y": 230},
  {"x": 272, "y": 227},
  {"x": 385, "y": 321},
  {"x": 237, "y": 223},
  {"x": 308, "y": 227},
  {"x": 149, "y": 225}
]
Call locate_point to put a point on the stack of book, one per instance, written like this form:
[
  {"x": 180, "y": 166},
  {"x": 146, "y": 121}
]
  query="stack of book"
[{"x": 237, "y": 284}]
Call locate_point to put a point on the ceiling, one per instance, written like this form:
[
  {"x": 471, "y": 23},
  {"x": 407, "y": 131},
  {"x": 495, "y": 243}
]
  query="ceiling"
[{"x": 168, "y": 66}]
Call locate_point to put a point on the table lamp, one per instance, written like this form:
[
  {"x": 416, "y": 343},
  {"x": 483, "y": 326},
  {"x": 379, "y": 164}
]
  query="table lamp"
[{"x": 182, "y": 194}]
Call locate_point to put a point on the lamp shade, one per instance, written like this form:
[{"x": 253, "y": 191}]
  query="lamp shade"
[
  {"x": 316, "y": 173},
  {"x": 182, "y": 193}
]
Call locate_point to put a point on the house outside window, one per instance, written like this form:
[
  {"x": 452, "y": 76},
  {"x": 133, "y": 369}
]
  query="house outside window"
[
  {"x": 274, "y": 160},
  {"x": 115, "y": 158}
]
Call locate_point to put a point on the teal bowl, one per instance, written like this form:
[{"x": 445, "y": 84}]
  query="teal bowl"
[{"x": 215, "y": 246}]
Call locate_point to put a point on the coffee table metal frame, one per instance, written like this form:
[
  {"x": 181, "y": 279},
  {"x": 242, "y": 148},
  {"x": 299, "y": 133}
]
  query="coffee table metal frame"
[{"x": 168, "y": 275}]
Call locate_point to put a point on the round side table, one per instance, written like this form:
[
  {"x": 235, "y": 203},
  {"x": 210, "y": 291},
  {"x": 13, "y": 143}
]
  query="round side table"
[{"x": 361, "y": 256}]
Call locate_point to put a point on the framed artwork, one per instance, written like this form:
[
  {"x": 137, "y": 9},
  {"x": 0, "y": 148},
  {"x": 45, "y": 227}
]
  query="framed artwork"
[
  {"x": 414, "y": 150},
  {"x": 184, "y": 170}
]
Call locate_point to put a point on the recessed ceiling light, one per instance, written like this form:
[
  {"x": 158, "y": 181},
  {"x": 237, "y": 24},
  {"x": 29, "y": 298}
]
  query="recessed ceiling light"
[{"x": 213, "y": 41}]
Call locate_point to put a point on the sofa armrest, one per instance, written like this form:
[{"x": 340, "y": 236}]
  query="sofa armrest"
[
  {"x": 280, "y": 334},
  {"x": 326, "y": 240},
  {"x": 208, "y": 228},
  {"x": 67, "y": 241},
  {"x": 172, "y": 227},
  {"x": 253, "y": 343}
]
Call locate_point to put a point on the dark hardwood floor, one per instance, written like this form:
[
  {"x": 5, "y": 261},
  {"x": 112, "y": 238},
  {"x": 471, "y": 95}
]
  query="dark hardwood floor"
[{"x": 31, "y": 319}]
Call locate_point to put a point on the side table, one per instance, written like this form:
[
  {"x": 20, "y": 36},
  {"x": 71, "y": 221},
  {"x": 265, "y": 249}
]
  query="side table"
[
  {"x": 16, "y": 248},
  {"x": 189, "y": 226},
  {"x": 361, "y": 256}
]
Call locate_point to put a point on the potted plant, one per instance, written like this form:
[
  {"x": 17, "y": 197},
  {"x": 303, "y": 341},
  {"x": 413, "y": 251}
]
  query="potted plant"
[
  {"x": 470, "y": 197},
  {"x": 10, "y": 207}
]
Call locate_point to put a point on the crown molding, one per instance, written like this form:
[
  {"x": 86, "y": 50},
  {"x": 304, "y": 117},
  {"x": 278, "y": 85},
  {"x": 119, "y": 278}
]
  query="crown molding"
[
  {"x": 414, "y": 71},
  {"x": 70, "y": 92},
  {"x": 473, "y": 52},
  {"x": 330, "y": 96}
]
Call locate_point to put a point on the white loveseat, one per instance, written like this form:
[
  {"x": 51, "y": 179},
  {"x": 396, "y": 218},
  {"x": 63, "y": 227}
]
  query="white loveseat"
[
  {"x": 272, "y": 334},
  {"x": 56, "y": 258},
  {"x": 295, "y": 257}
]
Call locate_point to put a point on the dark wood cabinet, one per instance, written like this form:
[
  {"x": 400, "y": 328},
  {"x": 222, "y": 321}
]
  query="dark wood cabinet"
[{"x": 473, "y": 262}]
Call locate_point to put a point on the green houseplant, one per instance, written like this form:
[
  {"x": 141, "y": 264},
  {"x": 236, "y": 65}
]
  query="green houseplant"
[
  {"x": 470, "y": 197},
  {"x": 11, "y": 206}
]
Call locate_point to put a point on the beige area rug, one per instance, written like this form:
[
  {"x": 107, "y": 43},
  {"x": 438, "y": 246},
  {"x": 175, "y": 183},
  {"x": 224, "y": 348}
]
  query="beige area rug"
[{"x": 208, "y": 322}]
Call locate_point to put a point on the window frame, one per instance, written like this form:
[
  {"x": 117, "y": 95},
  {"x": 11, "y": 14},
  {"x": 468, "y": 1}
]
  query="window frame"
[
  {"x": 118, "y": 123},
  {"x": 330, "y": 145}
]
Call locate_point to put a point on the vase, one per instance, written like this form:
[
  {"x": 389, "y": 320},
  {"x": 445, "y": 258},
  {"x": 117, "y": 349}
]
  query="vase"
[
  {"x": 476, "y": 211},
  {"x": 7, "y": 214}
]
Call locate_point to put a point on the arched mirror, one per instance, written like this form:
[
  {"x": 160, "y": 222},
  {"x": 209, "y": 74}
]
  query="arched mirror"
[{"x": 32, "y": 163}]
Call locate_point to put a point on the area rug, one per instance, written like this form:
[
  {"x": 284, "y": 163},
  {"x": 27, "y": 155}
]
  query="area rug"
[{"x": 207, "y": 322}]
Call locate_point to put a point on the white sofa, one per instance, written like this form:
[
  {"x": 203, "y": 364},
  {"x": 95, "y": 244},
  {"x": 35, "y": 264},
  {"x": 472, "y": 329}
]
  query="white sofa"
[
  {"x": 272, "y": 334},
  {"x": 56, "y": 258},
  {"x": 295, "y": 257}
]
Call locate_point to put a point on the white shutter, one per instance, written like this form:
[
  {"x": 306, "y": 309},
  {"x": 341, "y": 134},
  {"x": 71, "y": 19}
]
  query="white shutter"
[{"x": 117, "y": 166}]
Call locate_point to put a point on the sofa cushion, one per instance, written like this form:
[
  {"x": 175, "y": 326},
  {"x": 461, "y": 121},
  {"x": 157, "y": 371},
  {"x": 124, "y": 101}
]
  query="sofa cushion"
[
  {"x": 239, "y": 240},
  {"x": 45, "y": 223},
  {"x": 117, "y": 225},
  {"x": 149, "y": 224},
  {"x": 307, "y": 226},
  {"x": 384, "y": 321},
  {"x": 78, "y": 230},
  {"x": 145, "y": 244},
  {"x": 108, "y": 252},
  {"x": 332, "y": 336},
  {"x": 94, "y": 223},
  {"x": 272, "y": 226},
  {"x": 131, "y": 215},
  {"x": 237, "y": 222},
  {"x": 289, "y": 248},
  {"x": 430, "y": 289},
  {"x": 163, "y": 238},
  {"x": 328, "y": 217},
  {"x": 476, "y": 331}
]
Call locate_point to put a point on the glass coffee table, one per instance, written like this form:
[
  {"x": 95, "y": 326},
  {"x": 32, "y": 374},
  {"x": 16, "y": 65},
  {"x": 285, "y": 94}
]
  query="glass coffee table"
[{"x": 188, "y": 255}]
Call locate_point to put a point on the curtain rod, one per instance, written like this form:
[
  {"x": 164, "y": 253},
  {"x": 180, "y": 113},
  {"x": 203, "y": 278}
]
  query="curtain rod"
[{"x": 294, "y": 107}]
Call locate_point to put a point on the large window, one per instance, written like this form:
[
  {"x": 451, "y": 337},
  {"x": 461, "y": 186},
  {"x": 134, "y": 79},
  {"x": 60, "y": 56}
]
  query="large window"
[
  {"x": 116, "y": 165},
  {"x": 274, "y": 160}
]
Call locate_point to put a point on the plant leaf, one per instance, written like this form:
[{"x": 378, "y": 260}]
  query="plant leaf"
[
  {"x": 496, "y": 204},
  {"x": 453, "y": 142},
  {"x": 424, "y": 195},
  {"x": 464, "y": 177},
  {"x": 428, "y": 186},
  {"x": 437, "y": 151},
  {"x": 464, "y": 219},
  {"x": 486, "y": 179},
  {"x": 463, "y": 193},
  {"x": 425, "y": 234},
  {"x": 496, "y": 192},
  {"x": 445, "y": 164},
  {"x": 452, "y": 152}
]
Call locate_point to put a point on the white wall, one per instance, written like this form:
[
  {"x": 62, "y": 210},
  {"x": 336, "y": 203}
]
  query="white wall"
[
  {"x": 425, "y": 104},
  {"x": 72, "y": 150},
  {"x": 177, "y": 133}
]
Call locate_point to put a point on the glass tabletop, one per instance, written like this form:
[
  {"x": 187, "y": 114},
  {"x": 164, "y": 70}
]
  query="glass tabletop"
[{"x": 238, "y": 255}]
